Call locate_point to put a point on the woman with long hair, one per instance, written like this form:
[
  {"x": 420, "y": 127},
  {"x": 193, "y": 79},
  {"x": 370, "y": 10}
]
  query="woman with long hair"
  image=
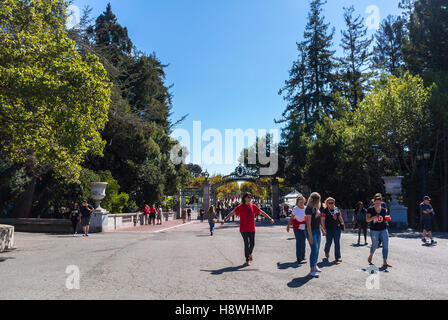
[
  {"x": 247, "y": 212},
  {"x": 75, "y": 217},
  {"x": 333, "y": 224},
  {"x": 359, "y": 221},
  {"x": 298, "y": 221},
  {"x": 211, "y": 217},
  {"x": 313, "y": 230}
]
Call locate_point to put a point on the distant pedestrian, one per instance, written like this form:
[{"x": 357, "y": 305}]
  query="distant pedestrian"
[
  {"x": 201, "y": 215},
  {"x": 75, "y": 217},
  {"x": 360, "y": 223},
  {"x": 166, "y": 214},
  {"x": 86, "y": 212},
  {"x": 189, "y": 214},
  {"x": 377, "y": 217},
  {"x": 247, "y": 212},
  {"x": 159, "y": 215},
  {"x": 298, "y": 221},
  {"x": 427, "y": 212},
  {"x": 211, "y": 217},
  {"x": 152, "y": 215},
  {"x": 184, "y": 215},
  {"x": 313, "y": 228},
  {"x": 146, "y": 213},
  {"x": 333, "y": 224}
]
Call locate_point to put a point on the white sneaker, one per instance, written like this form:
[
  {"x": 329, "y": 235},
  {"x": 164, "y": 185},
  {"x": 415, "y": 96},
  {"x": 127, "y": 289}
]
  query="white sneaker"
[
  {"x": 314, "y": 274},
  {"x": 317, "y": 269}
]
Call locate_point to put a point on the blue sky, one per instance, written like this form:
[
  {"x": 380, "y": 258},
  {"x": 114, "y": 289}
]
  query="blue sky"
[{"x": 227, "y": 59}]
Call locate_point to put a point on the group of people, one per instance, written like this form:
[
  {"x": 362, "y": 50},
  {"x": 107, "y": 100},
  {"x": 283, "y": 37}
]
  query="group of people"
[
  {"x": 311, "y": 221},
  {"x": 152, "y": 213},
  {"x": 81, "y": 215}
]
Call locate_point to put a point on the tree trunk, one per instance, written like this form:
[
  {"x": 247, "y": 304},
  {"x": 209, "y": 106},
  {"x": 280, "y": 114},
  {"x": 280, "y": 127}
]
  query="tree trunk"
[
  {"x": 24, "y": 204},
  {"x": 412, "y": 203}
]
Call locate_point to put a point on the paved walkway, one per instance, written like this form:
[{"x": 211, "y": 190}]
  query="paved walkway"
[{"x": 187, "y": 263}]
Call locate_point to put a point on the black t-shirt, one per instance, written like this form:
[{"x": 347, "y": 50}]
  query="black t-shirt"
[
  {"x": 315, "y": 217},
  {"x": 425, "y": 207},
  {"x": 381, "y": 224},
  {"x": 74, "y": 214},
  {"x": 332, "y": 221},
  {"x": 84, "y": 212}
]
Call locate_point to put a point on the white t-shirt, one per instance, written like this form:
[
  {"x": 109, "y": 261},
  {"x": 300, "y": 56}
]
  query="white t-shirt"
[{"x": 299, "y": 216}]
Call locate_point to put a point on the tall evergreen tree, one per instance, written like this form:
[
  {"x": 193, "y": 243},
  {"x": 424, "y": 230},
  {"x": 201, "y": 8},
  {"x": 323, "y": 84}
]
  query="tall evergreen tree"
[
  {"x": 308, "y": 92},
  {"x": 354, "y": 69},
  {"x": 320, "y": 65},
  {"x": 426, "y": 44},
  {"x": 389, "y": 39}
]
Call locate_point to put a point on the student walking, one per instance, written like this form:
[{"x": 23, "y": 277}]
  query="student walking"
[
  {"x": 146, "y": 213},
  {"x": 86, "y": 211},
  {"x": 333, "y": 224},
  {"x": 427, "y": 212},
  {"x": 377, "y": 217},
  {"x": 201, "y": 215},
  {"x": 313, "y": 230},
  {"x": 360, "y": 223},
  {"x": 298, "y": 221},
  {"x": 189, "y": 213},
  {"x": 152, "y": 215},
  {"x": 159, "y": 215},
  {"x": 247, "y": 212},
  {"x": 211, "y": 217},
  {"x": 75, "y": 217}
]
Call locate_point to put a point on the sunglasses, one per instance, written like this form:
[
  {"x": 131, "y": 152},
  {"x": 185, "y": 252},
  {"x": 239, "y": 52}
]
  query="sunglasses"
[{"x": 330, "y": 202}]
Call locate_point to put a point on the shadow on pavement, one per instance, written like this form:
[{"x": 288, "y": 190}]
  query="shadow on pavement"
[
  {"x": 229, "y": 269},
  {"x": 298, "y": 282},
  {"x": 359, "y": 245},
  {"x": 5, "y": 258},
  {"x": 325, "y": 263},
  {"x": 287, "y": 265}
]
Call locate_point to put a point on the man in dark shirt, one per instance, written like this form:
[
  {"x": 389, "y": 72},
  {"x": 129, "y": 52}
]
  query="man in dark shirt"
[
  {"x": 427, "y": 212},
  {"x": 86, "y": 211}
]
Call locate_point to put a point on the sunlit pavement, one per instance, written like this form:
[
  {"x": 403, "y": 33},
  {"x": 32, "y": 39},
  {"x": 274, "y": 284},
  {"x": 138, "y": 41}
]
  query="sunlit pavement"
[{"x": 187, "y": 263}]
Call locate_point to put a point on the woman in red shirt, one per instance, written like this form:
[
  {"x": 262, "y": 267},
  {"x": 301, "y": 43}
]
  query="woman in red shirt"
[
  {"x": 247, "y": 212},
  {"x": 146, "y": 213}
]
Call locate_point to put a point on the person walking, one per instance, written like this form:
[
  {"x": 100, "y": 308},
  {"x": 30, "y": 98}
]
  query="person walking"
[
  {"x": 359, "y": 221},
  {"x": 189, "y": 214},
  {"x": 159, "y": 215},
  {"x": 313, "y": 230},
  {"x": 298, "y": 221},
  {"x": 75, "y": 217},
  {"x": 247, "y": 212},
  {"x": 377, "y": 217},
  {"x": 166, "y": 214},
  {"x": 333, "y": 224},
  {"x": 211, "y": 217},
  {"x": 201, "y": 215},
  {"x": 86, "y": 212},
  {"x": 427, "y": 212},
  {"x": 152, "y": 215},
  {"x": 184, "y": 215},
  {"x": 146, "y": 213}
]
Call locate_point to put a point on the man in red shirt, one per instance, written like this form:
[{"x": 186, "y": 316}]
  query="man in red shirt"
[{"x": 247, "y": 212}]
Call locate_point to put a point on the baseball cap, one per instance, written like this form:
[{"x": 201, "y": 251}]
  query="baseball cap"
[
  {"x": 427, "y": 198},
  {"x": 378, "y": 198}
]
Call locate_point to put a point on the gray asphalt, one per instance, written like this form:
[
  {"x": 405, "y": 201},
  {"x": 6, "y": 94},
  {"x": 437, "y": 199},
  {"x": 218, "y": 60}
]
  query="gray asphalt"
[{"x": 186, "y": 263}]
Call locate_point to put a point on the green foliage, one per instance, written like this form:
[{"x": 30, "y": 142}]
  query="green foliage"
[{"x": 53, "y": 102}]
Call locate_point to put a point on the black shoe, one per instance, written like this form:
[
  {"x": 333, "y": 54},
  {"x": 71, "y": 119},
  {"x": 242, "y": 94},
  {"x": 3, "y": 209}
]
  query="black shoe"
[
  {"x": 433, "y": 242},
  {"x": 424, "y": 240}
]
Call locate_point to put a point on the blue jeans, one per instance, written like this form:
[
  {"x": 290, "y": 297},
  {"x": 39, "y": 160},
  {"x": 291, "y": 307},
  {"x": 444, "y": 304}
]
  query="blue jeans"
[
  {"x": 314, "y": 247},
  {"x": 300, "y": 244},
  {"x": 384, "y": 236},
  {"x": 212, "y": 225},
  {"x": 334, "y": 235}
]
